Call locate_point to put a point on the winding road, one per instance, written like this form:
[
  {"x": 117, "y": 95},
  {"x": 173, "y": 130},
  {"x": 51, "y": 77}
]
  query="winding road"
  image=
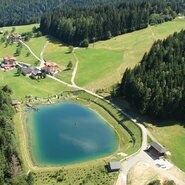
[
  {"x": 134, "y": 158},
  {"x": 30, "y": 50}
]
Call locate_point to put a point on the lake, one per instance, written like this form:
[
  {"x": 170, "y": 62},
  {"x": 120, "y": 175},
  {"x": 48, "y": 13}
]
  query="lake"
[{"x": 68, "y": 133}]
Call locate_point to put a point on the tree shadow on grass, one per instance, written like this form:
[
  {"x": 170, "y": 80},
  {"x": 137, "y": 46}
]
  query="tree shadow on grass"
[
  {"x": 143, "y": 119},
  {"x": 54, "y": 40}
]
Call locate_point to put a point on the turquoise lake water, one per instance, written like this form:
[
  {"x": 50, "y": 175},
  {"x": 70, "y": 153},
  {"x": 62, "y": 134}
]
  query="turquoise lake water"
[{"x": 68, "y": 133}]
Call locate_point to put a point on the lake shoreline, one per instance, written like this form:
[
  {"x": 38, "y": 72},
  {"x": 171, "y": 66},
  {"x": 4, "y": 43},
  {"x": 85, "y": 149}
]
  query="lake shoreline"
[{"x": 100, "y": 156}]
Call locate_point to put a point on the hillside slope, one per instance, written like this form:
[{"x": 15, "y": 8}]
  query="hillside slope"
[{"x": 156, "y": 85}]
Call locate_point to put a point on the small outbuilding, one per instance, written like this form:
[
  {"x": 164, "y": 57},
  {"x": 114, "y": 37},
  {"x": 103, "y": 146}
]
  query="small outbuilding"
[
  {"x": 157, "y": 149},
  {"x": 114, "y": 166},
  {"x": 15, "y": 37},
  {"x": 27, "y": 70},
  {"x": 36, "y": 73},
  {"x": 9, "y": 61},
  {"x": 15, "y": 102},
  {"x": 50, "y": 67}
]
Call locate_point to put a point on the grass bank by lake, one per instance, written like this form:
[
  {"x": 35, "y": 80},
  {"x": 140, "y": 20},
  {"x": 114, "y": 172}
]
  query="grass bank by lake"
[
  {"x": 67, "y": 133},
  {"x": 95, "y": 167}
]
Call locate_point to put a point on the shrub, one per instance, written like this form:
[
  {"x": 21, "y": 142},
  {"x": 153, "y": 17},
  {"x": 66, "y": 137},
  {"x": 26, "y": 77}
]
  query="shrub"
[
  {"x": 155, "y": 182},
  {"x": 169, "y": 182},
  {"x": 85, "y": 43}
]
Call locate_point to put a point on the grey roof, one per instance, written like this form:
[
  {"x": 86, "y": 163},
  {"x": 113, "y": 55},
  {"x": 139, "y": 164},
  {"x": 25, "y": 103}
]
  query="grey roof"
[
  {"x": 15, "y": 102},
  {"x": 158, "y": 147},
  {"x": 26, "y": 70},
  {"x": 36, "y": 72},
  {"x": 115, "y": 165}
]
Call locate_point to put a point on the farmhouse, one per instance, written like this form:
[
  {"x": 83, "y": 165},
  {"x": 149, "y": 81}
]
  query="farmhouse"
[
  {"x": 15, "y": 37},
  {"x": 9, "y": 62},
  {"x": 36, "y": 73},
  {"x": 27, "y": 70},
  {"x": 50, "y": 67},
  {"x": 114, "y": 166},
  {"x": 156, "y": 149},
  {"x": 15, "y": 102}
]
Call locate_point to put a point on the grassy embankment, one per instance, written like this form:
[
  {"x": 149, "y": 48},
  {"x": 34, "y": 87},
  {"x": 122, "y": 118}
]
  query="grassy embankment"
[{"x": 95, "y": 167}]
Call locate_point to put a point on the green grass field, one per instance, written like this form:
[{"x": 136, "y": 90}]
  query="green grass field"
[
  {"x": 58, "y": 53},
  {"x": 131, "y": 46},
  {"x": 10, "y": 51},
  {"x": 20, "y": 29},
  {"x": 97, "y": 64},
  {"x": 22, "y": 86},
  {"x": 37, "y": 44},
  {"x": 102, "y": 64}
]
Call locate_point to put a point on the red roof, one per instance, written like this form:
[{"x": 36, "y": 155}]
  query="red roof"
[
  {"x": 50, "y": 64},
  {"x": 9, "y": 58}
]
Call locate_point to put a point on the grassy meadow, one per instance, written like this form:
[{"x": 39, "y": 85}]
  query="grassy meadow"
[
  {"x": 132, "y": 46},
  {"x": 37, "y": 44},
  {"x": 59, "y": 54},
  {"x": 96, "y": 65},
  {"x": 23, "y": 86},
  {"x": 20, "y": 29},
  {"x": 103, "y": 63}
]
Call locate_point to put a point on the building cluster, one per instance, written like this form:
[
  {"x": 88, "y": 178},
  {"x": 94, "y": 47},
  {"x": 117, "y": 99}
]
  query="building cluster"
[
  {"x": 10, "y": 63},
  {"x": 36, "y": 73},
  {"x": 154, "y": 150},
  {"x": 15, "y": 37}
]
